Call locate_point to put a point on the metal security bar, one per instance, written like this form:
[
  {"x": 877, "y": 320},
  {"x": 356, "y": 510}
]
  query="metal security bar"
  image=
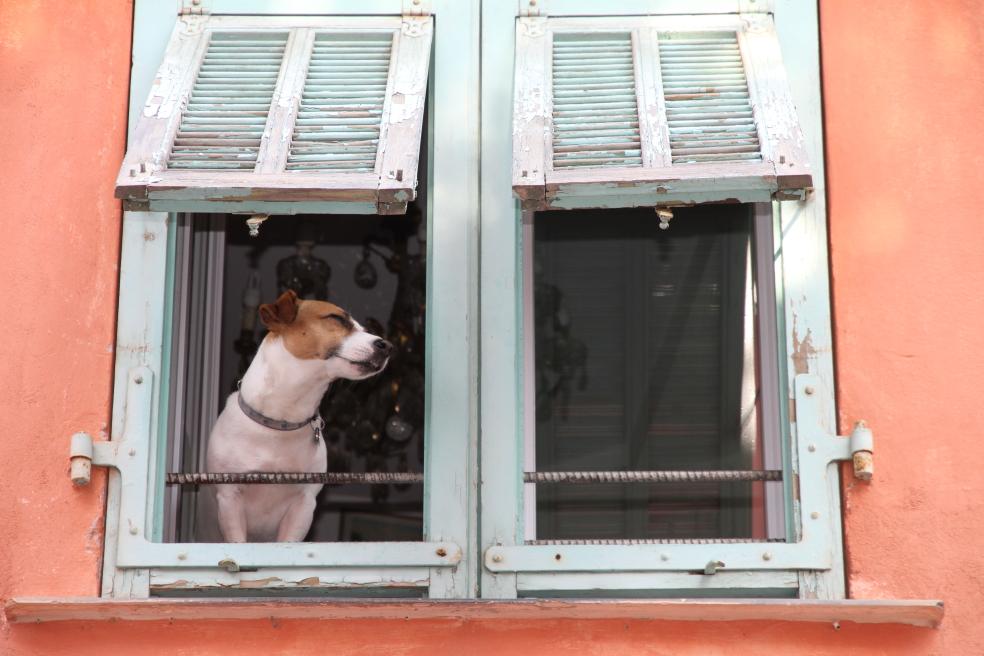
[
  {"x": 666, "y": 476},
  {"x": 274, "y": 478},
  {"x": 376, "y": 478}
]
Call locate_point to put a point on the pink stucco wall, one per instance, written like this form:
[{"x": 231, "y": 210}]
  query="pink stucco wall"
[{"x": 903, "y": 91}]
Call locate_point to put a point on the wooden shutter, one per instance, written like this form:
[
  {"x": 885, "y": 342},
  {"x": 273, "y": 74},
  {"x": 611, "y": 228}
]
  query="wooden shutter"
[
  {"x": 282, "y": 115},
  {"x": 638, "y": 111}
]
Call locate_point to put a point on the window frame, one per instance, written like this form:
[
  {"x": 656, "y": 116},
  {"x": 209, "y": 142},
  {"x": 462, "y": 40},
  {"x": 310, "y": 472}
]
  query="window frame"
[
  {"x": 777, "y": 495},
  {"x": 811, "y": 568},
  {"x": 491, "y": 322},
  {"x": 135, "y": 565}
]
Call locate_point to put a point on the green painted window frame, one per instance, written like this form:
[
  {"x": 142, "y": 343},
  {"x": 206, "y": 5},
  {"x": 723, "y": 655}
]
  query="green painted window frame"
[
  {"x": 811, "y": 567},
  {"x": 136, "y": 563},
  {"x": 474, "y": 314}
]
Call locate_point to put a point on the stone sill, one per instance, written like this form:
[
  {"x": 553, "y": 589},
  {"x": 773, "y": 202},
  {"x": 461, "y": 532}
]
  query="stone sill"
[{"x": 924, "y": 613}]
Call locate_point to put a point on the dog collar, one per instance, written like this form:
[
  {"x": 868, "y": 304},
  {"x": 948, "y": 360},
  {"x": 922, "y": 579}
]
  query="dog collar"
[{"x": 315, "y": 420}]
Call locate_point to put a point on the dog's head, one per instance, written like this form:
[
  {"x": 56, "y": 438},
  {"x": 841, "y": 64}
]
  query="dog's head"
[{"x": 317, "y": 330}]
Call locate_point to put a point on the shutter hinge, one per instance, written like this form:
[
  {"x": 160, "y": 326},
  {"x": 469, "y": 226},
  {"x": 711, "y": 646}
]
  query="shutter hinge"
[
  {"x": 756, "y": 6},
  {"x": 858, "y": 447},
  {"x": 417, "y": 8},
  {"x": 532, "y": 7},
  {"x": 193, "y": 8}
]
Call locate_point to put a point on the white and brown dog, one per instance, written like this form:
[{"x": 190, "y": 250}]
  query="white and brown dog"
[{"x": 272, "y": 424}]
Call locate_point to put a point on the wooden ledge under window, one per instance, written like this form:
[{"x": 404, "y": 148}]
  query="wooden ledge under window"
[{"x": 925, "y": 613}]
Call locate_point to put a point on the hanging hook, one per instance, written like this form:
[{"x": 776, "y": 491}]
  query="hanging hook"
[
  {"x": 664, "y": 214},
  {"x": 254, "y": 222}
]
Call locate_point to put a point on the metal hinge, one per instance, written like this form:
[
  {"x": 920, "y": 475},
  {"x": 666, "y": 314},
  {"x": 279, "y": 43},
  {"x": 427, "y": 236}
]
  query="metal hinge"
[
  {"x": 417, "y": 8},
  {"x": 858, "y": 447},
  {"x": 193, "y": 7},
  {"x": 532, "y": 8}
]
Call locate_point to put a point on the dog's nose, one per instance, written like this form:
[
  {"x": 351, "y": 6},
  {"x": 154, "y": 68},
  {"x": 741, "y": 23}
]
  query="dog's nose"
[{"x": 382, "y": 345}]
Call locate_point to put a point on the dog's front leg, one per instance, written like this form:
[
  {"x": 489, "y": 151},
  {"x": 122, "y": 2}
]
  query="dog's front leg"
[
  {"x": 232, "y": 513},
  {"x": 297, "y": 520}
]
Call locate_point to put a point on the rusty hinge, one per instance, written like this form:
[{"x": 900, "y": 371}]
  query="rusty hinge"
[
  {"x": 417, "y": 8},
  {"x": 193, "y": 7},
  {"x": 532, "y": 8}
]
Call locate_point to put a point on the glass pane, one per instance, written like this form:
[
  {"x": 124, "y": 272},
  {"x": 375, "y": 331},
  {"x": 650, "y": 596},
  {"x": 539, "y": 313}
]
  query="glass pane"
[
  {"x": 374, "y": 268},
  {"x": 645, "y": 359}
]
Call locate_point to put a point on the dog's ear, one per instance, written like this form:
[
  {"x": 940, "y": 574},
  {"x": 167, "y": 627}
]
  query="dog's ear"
[{"x": 280, "y": 313}]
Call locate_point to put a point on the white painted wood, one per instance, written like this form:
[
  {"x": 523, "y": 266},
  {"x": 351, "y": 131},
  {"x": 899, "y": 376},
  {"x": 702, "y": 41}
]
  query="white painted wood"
[
  {"x": 649, "y": 94},
  {"x": 532, "y": 126},
  {"x": 164, "y": 581},
  {"x": 279, "y": 128},
  {"x": 784, "y": 168},
  {"x": 145, "y": 174},
  {"x": 403, "y": 113},
  {"x": 779, "y": 126},
  {"x": 150, "y": 140}
]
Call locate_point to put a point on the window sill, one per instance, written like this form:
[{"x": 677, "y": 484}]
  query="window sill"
[{"x": 924, "y": 613}]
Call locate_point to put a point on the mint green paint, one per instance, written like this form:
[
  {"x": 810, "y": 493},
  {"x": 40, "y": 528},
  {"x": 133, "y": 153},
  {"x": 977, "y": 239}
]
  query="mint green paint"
[
  {"x": 501, "y": 382},
  {"x": 164, "y": 390},
  {"x": 452, "y": 287},
  {"x": 817, "y": 554},
  {"x": 145, "y": 308},
  {"x": 462, "y": 321}
]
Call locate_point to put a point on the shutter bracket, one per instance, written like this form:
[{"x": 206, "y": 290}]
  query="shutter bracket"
[
  {"x": 858, "y": 446},
  {"x": 417, "y": 8},
  {"x": 194, "y": 8},
  {"x": 532, "y": 8}
]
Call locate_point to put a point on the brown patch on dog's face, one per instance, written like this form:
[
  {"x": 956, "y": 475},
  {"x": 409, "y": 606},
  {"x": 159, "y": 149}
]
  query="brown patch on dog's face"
[{"x": 310, "y": 329}]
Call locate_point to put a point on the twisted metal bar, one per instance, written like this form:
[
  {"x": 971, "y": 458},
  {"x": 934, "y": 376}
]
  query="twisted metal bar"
[
  {"x": 617, "y": 541},
  {"x": 667, "y": 476},
  {"x": 328, "y": 478}
]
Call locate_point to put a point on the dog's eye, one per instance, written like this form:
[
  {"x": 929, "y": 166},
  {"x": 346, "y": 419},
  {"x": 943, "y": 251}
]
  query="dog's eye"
[{"x": 345, "y": 321}]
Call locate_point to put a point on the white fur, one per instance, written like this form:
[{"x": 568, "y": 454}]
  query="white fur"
[{"x": 280, "y": 386}]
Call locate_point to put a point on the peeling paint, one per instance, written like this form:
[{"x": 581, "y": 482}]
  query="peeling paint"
[{"x": 803, "y": 350}]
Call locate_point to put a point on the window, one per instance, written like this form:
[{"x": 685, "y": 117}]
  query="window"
[
  {"x": 612, "y": 111},
  {"x": 621, "y": 122},
  {"x": 645, "y": 346},
  {"x": 280, "y": 115}
]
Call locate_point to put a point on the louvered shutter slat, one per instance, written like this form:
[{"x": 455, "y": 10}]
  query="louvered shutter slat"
[
  {"x": 696, "y": 70},
  {"x": 339, "y": 123},
  {"x": 215, "y": 108},
  {"x": 596, "y": 121}
]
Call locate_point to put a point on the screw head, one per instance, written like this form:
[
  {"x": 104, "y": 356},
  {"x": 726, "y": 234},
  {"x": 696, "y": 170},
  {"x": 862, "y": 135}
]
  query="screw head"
[
  {"x": 664, "y": 557},
  {"x": 767, "y": 556},
  {"x": 138, "y": 380},
  {"x": 815, "y": 515},
  {"x": 442, "y": 552},
  {"x": 310, "y": 554},
  {"x": 811, "y": 448},
  {"x": 497, "y": 558},
  {"x": 182, "y": 556},
  {"x": 809, "y": 390},
  {"x": 134, "y": 530},
  {"x": 132, "y": 452}
]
